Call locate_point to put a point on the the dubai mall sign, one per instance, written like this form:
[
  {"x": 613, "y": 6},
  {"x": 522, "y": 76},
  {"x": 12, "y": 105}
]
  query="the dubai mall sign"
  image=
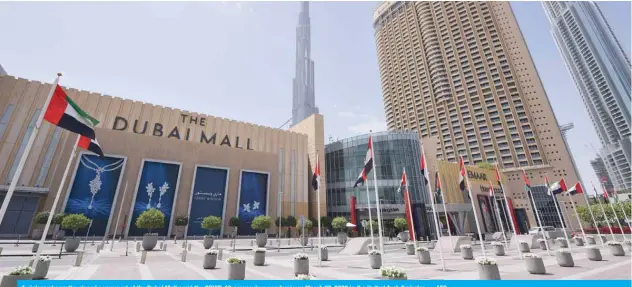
[{"x": 159, "y": 130}]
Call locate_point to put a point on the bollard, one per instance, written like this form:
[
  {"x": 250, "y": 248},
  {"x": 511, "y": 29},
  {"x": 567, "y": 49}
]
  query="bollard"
[
  {"x": 78, "y": 258},
  {"x": 61, "y": 246},
  {"x": 288, "y": 242},
  {"x": 189, "y": 247},
  {"x": 216, "y": 245},
  {"x": 98, "y": 249},
  {"x": 251, "y": 243},
  {"x": 17, "y": 243},
  {"x": 160, "y": 246},
  {"x": 184, "y": 255},
  {"x": 220, "y": 253},
  {"x": 164, "y": 247},
  {"x": 184, "y": 244},
  {"x": 35, "y": 247},
  {"x": 0, "y": 250},
  {"x": 137, "y": 246},
  {"x": 143, "y": 257}
]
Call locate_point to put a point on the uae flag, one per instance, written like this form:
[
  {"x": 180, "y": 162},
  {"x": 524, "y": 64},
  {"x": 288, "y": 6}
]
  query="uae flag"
[
  {"x": 437, "y": 188},
  {"x": 461, "y": 174},
  {"x": 403, "y": 188},
  {"x": 527, "y": 185},
  {"x": 64, "y": 113},
  {"x": 577, "y": 188},
  {"x": 548, "y": 186},
  {"x": 558, "y": 187},
  {"x": 491, "y": 189},
  {"x": 499, "y": 179},
  {"x": 368, "y": 165},
  {"x": 316, "y": 176},
  {"x": 424, "y": 171},
  {"x": 605, "y": 195},
  {"x": 91, "y": 145}
]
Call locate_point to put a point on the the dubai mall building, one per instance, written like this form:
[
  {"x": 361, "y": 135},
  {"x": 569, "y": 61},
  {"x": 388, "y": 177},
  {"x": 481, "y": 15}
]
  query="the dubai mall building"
[{"x": 183, "y": 163}]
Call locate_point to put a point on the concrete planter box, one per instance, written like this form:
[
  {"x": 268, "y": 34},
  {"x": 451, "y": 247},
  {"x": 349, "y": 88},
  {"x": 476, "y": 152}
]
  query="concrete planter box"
[
  {"x": 424, "y": 257},
  {"x": 591, "y": 240},
  {"x": 564, "y": 259},
  {"x": 404, "y": 236},
  {"x": 535, "y": 265},
  {"x": 593, "y": 254},
  {"x": 542, "y": 245},
  {"x": 12, "y": 280},
  {"x": 72, "y": 244},
  {"x": 324, "y": 254},
  {"x": 301, "y": 266},
  {"x": 259, "y": 258},
  {"x": 562, "y": 243},
  {"x": 210, "y": 261},
  {"x": 304, "y": 240},
  {"x": 262, "y": 239},
  {"x": 579, "y": 241},
  {"x": 150, "y": 241},
  {"x": 208, "y": 242},
  {"x": 488, "y": 272},
  {"x": 41, "y": 269},
  {"x": 467, "y": 254},
  {"x": 499, "y": 250},
  {"x": 603, "y": 238},
  {"x": 524, "y": 247},
  {"x": 376, "y": 260},
  {"x": 616, "y": 250},
  {"x": 237, "y": 271},
  {"x": 342, "y": 238},
  {"x": 410, "y": 249}
]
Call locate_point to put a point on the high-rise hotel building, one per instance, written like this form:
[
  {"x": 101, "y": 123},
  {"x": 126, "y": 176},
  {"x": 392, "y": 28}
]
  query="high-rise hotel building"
[{"x": 461, "y": 72}]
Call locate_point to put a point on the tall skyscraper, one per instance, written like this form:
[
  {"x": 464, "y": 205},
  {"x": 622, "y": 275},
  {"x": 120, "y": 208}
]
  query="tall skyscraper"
[
  {"x": 2, "y": 71},
  {"x": 303, "y": 100},
  {"x": 461, "y": 72},
  {"x": 601, "y": 71}
]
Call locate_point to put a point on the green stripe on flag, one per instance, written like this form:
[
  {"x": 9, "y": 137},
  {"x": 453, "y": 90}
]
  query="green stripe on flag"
[{"x": 81, "y": 113}]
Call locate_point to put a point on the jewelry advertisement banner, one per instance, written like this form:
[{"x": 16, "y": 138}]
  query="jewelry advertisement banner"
[
  {"x": 209, "y": 191},
  {"x": 253, "y": 198}
]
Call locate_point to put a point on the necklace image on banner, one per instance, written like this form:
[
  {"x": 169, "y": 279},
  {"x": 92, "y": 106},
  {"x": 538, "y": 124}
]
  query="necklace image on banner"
[
  {"x": 150, "y": 192},
  {"x": 95, "y": 183}
]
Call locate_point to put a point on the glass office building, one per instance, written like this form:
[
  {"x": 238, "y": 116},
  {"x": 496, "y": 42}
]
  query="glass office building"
[
  {"x": 546, "y": 206},
  {"x": 393, "y": 151}
]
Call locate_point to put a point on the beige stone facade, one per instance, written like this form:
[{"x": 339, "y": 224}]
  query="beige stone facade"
[{"x": 137, "y": 131}]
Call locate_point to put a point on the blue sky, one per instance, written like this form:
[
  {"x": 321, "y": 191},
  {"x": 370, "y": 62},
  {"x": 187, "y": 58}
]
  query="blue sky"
[{"x": 236, "y": 59}]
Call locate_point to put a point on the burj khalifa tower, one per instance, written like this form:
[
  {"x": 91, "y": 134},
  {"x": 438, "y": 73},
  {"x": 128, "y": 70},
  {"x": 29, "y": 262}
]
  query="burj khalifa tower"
[{"x": 303, "y": 100}]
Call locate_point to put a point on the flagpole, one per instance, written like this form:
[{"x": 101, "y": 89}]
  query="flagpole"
[
  {"x": 25, "y": 153},
  {"x": 478, "y": 227},
  {"x": 320, "y": 239},
  {"x": 119, "y": 217},
  {"x": 445, "y": 211},
  {"x": 410, "y": 211},
  {"x": 593, "y": 216},
  {"x": 577, "y": 214},
  {"x": 537, "y": 214},
  {"x": 606, "y": 217},
  {"x": 617, "y": 217},
  {"x": 513, "y": 225},
  {"x": 500, "y": 221},
  {"x": 368, "y": 198},
  {"x": 55, "y": 201},
  {"x": 377, "y": 199},
  {"x": 436, "y": 219},
  {"x": 559, "y": 214}
]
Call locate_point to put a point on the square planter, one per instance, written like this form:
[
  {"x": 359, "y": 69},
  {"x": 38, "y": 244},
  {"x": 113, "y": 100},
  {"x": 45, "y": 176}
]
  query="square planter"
[
  {"x": 41, "y": 269},
  {"x": 543, "y": 245},
  {"x": 579, "y": 241},
  {"x": 488, "y": 272},
  {"x": 259, "y": 258},
  {"x": 410, "y": 249},
  {"x": 524, "y": 247},
  {"x": 424, "y": 257},
  {"x": 603, "y": 238},
  {"x": 210, "y": 261},
  {"x": 467, "y": 254},
  {"x": 262, "y": 239},
  {"x": 499, "y": 250},
  {"x": 403, "y": 236},
  {"x": 563, "y": 242},
  {"x": 591, "y": 240},
  {"x": 150, "y": 241},
  {"x": 341, "y": 237},
  {"x": 376, "y": 260},
  {"x": 616, "y": 250},
  {"x": 12, "y": 280},
  {"x": 72, "y": 244},
  {"x": 564, "y": 259},
  {"x": 208, "y": 242},
  {"x": 324, "y": 254},
  {"x": 301, "y": 266},
  {"x": 593, "y": 254},
  {"x": 236, "y": 271},
  {"x": 304, "y": 240},
  {"x": 535, "y": 265}
]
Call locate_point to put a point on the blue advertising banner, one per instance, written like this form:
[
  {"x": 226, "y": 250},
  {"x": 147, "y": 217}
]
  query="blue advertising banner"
[
  {"x": 156, "y": 189},
  {"x": 253, "y": 199},
  {"x": 209, "y": 190},
  {"x": 93, "y": 190}
]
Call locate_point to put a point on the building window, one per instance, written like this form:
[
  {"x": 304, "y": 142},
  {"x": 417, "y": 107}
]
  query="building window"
[
  {"x": 4, "y": 121},
  {"x": 25, "y": 140}
]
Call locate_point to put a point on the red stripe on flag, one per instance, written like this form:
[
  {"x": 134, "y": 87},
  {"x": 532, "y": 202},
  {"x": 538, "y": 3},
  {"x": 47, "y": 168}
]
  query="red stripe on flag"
[
  {"x": 512, "y": 213},
  {"x": 353, "y": 213},
  {"x": 408, "y": 215},
  {"x": 57, "y": 106},
  {"x": 84, "y": 142}
]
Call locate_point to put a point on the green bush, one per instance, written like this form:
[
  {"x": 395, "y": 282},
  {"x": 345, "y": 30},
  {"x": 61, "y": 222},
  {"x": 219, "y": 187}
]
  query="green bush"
[
  {"x": 151, "y": 219},
  {"x": 325, "y": 221},
  {"x": 261, "y": 223},
  {"x": 58, "y": 218},
  {"x": 182, "y": 221},
  {"x": 291, "y": 221},
  {"x": 400, "y": 224},
  {"x": 308, "y": 225},
  {"x": 234, "y": 221},
  {"x": 211, "y": 223},
  {"x": 42, "y": 217},
  {"x": 339, "y": 223},
  {"x": 281, "y": 222},
  {"x": 75, "y": 222}
]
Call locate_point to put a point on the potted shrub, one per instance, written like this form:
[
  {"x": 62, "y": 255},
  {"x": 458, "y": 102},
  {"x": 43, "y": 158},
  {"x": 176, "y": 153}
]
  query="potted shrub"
[
  {"x": 307, "y": 227},
  {"x": 41, "y": 268},
  {"x": 590, "y": 240},
  {"x": 340, "y": 223},
  {"x": 181, "y": 223},
  {"x": 210, "y": 223},
  {"x": 40, "y": 219},
  {"x": 19, "y": 273},
  {"x": 499, "y": 248},
  {"x": 401, "y": 225},
  {"x": 74, "y": 222},
  {"x": 466, "y": 252},
  {"x": 524, "y": 246},
  {"x": 375, "y": 257},
  {"x": 563, "y": 242},
  {"x": 534, "y": 263},
  {"x": 236, "y": 268},
  {"x": 324, "y": 253},
  {"x": 210, "y": 259},
  {"x": 291, "y": 222},
  {"x": 234, "y": 223},
  {"x": 150, "y": 219},
  {"x": 301, "y": 264},
  {"x": 259, "y": 256},
  {"x": 261, "y": 223},
  {"x": 564, "y": 258},
  {"x": 57, "y": 220},
  {"x": 423, "y": 255},
  {"x": 593, "y": 253},
  {"x": 410, "y": 248},
  {"x": 304, "y": 277},
  {"x": 487, "y": 269},
  {"x": 603, "y": 238},
  {"x": 393, "y": 273},
  {"x": 543, "y": 244},
  {"x": 616, "y": 249}
]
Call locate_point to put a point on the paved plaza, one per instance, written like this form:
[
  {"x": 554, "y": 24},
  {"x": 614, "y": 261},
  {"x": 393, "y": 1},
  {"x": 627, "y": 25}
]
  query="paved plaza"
[{"x": 279, "y": 263}]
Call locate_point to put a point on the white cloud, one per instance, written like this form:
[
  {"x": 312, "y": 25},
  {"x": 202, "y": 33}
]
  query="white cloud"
[{"x": 347, "y": 114}]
